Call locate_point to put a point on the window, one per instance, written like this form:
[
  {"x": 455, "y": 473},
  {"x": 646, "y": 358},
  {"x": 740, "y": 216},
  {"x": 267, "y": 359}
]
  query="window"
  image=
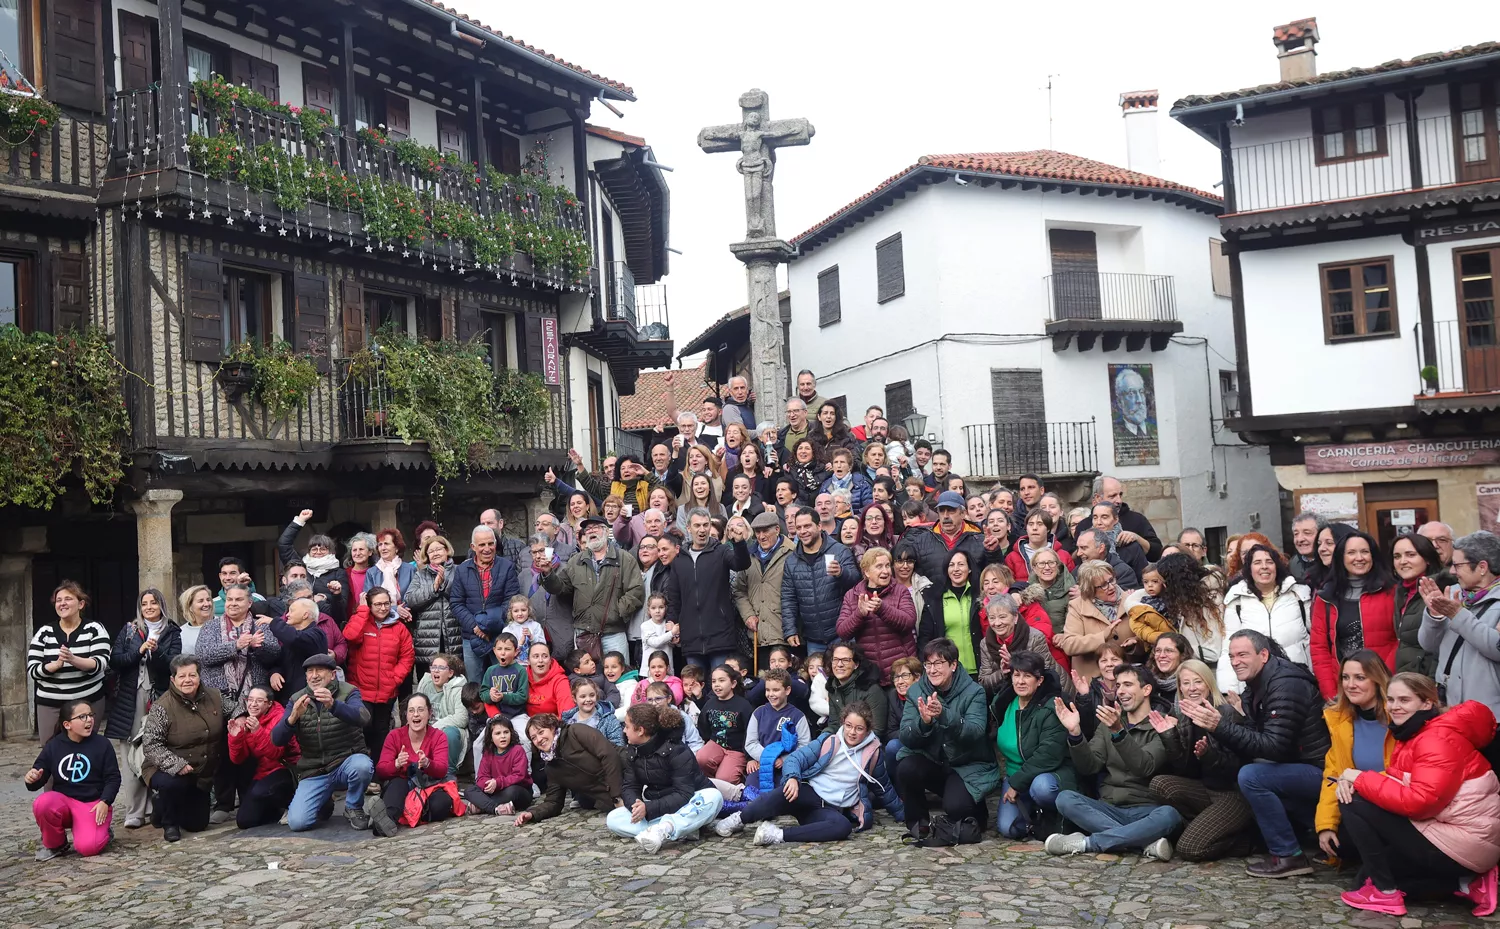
[
  {"x": 890, "y": 271},
  {"x": 1476, "y": 294},
  {"x": 842, "y": 402},
  {"x": 430, "y": 318},
  {"x": 898, "y": 403},
  {"x": 1218, "y": 266},
  {"x": 829, "y": 310},
  {"x": 363, "y": 112},
  {"x": 248, "y": 311},
  {"x": 1229, "y": 393},
  {"x": 1350, "y": 131},
  {"x": 200, "y": 62},
  {"x": 1359, "y": 299},
  {"x": 1215, "y": 540},
  {"x": 385, "y": 310},
  {"x": 14, "y": 34},
  {"x": 1476, "y": 122},
  {"x": 17, "y": 292},
  {"x": 452, "y": 139},
  {"x": 496, "y": 338}
]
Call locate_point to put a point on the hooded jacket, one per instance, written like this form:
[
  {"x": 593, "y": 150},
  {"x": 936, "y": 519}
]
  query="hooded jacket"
[
  {"x": 550, "y": 692},
  {"x": 1287, "y": 623},
  {"x": 958, "y": 738},
  {"x": 1468, "y": 650},
  {"x": 604, "y": 720},
  {"x": 886, "y": 634},
  {"x": 606, "y": 600},
  {"x": 811, "y": 598},
  {"x": 699, "y": 598},
  {"x": 1377, "y": 619},
  {"x": 1283, "y": 719},
  {"x": 380, "y": 655},
  {"x": 1440, "y": 781},
  {"x": 1040, "y": 736},
  {"x": 662, "y": 773},
  {"x": 875, "y": 788}
]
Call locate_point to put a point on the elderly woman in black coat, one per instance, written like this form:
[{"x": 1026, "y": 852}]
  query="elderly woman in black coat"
[{"x": 141, "y": 664}]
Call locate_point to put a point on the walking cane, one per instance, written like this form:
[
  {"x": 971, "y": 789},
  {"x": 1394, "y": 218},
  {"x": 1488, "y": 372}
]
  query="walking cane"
[{"x": 755, "y": 649}]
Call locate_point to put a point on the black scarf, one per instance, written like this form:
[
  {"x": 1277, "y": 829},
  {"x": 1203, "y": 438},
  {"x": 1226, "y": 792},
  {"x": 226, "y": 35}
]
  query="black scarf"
[{"x": 1408, "y": 730}]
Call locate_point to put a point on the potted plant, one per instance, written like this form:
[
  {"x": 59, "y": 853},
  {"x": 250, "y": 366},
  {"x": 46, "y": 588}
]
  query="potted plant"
[
  {"x": 1429, "y": 374},
  {"x": 236, "y": 372}
]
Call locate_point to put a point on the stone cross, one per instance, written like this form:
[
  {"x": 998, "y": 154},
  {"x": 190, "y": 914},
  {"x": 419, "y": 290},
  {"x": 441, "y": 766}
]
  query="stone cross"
[{"x": 756, "y": 137}]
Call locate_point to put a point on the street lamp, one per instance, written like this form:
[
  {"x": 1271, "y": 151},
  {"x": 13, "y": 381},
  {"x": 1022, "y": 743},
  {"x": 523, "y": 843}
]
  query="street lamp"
[{"x": 916, "y": 424}]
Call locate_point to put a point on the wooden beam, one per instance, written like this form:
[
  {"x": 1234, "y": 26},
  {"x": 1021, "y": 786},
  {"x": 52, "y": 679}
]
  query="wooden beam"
[
  {"x": 174, "y": 82},
  {"x": 347, "y": 79},
  {"x": 476, "y": 112}
]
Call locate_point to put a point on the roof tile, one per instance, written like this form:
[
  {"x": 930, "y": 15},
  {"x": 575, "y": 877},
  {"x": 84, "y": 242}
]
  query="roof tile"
[
  {"x": 659, "y": 395},
  {"x": 622, "y": 88}
]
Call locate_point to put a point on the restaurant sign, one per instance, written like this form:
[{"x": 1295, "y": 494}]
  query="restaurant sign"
[
  {"x": 1466, "y": 229},
  {"x": 1399, "y": 455}
]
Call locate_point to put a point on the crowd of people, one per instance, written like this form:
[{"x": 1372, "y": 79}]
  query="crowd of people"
[{"x": 807, "y": 620}]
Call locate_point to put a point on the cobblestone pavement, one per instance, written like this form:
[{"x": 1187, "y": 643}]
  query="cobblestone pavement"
[{"x": 481, "y": 871}]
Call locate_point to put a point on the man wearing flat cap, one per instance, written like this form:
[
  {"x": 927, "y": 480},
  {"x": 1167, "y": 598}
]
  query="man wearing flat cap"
[
  {"x": 757, "y": 591},
  {"x": 604, "y": 581},
  {"x": 328, "y": 720}
]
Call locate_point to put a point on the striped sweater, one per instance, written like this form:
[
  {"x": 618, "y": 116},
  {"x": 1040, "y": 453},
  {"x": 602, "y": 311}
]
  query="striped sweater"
[{"x": 89, "y": 640}]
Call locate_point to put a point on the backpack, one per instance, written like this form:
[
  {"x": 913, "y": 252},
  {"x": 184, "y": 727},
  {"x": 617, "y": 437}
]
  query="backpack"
[{"x": 945, "y": 832}]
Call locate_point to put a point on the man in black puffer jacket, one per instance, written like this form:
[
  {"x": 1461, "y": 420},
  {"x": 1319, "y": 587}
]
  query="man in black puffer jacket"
[
  {"x": 1282, "y": 738},
  {"x": 812, "y": 587},
  {"x": 934, "y": 543}
]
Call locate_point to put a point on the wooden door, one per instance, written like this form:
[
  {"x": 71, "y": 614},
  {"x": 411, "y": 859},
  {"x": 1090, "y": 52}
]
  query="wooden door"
[
  {"x": 451, "y": 136},
  {"x": 1475, "y": 142},
  {"x": 1476, "y": 319},
  {"x": 1386, "y": 519},
  {"x": 1075, "y": 274}
]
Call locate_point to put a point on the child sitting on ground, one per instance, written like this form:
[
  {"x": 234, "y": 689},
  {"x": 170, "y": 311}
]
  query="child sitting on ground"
[
  {"x": 776, "y": 730},
  {"x": 780, "y": 657},
  {"x": 502, "y": 782},
  {"x": 723, "y": 722}
]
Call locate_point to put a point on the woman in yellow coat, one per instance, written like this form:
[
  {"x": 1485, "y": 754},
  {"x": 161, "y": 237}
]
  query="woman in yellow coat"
[{"x": 1357, "y": 728}]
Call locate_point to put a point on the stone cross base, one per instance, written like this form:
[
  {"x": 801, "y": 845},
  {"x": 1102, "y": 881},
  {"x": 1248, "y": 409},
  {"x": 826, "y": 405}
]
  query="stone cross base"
[
  {"x": 776, "y": 251},
  {"x": 772, "y": 387}
]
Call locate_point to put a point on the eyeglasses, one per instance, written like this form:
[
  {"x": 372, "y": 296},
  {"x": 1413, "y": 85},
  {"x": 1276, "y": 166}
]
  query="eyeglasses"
[
  {"x": 81, "y": 716},
  {"x": 903, "y": 677},
  {"x": 1192, "y": 545},
  {"x": 1109, "y": 584},
  {"x": 1462, "y": 564},
  {"x": 936, "y": 665},
  {"x": 843, "y": 661}
]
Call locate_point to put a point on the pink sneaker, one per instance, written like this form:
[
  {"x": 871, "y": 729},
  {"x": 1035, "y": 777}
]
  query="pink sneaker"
[
  {"x": 1483, "y": 892},
  {"x": 1370, "y": 898}
]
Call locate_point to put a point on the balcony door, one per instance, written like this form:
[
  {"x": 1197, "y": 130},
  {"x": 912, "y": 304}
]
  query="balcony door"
[
  {"x": 1075, "y": 274},
  {"x": 1476, "y": 319},
  {"x": 1476, "y": 122}
]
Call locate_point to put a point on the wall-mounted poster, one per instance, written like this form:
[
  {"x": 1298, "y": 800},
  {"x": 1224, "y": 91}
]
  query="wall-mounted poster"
[
  {"x": 1132, "y": 404},
  {"x": 1489, "y": 506},
  {"x": 1335, "y": 504}
]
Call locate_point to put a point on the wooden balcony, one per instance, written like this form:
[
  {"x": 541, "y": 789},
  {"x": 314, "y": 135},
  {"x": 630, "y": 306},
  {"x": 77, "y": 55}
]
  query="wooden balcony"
[{"x": 57, "y": 172}]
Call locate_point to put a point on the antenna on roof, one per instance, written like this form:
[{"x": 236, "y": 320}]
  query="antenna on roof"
[{"x": 1049, "y": 108}]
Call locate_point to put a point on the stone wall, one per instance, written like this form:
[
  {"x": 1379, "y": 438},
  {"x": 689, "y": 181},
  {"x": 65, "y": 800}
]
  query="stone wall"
[{"x": 1156, "y": 499}]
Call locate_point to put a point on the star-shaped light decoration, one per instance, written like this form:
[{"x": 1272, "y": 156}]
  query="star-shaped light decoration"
[
  {"x": 229, "y": 220},
  {"x": 282, "y": 232},
  {"x": 207, "y": 214},
  {"x": 263, "y": 228},
  {"x": 146, "y": 152},
  {"x": 247, "y": 212},
  {"x": 192, "y": 214},
  {"x": 184, "y": 146},
  {"x": 405, "y": 253},
  {"x": 158, "y": 213},
  {"x": 369, "y": 248}
]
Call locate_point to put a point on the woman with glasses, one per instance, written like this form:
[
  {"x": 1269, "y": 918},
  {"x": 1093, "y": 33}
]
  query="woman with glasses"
[
  {"x": 904, "y": 673},
  {"x": 271, "y": 786},
  {"x": 1460, "y": 624},
  {"x": 853, "y": 677},
  {"x": 1094, "y": 619},
  {"x": 77, "y": 801}
]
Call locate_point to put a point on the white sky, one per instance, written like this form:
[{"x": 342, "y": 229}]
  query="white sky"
[{"x": 884, "y": 83}]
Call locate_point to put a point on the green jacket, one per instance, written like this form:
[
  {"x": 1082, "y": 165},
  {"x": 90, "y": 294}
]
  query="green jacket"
[
  {"x": 604, "y": 601},
  {"x": 1042, "y": 739},
  {"x": 1129, "y": 760},
  {"x": 958, "y": 738},
  {"x": 1055, "y": 602},
  {"x": 863, "y": 684}
]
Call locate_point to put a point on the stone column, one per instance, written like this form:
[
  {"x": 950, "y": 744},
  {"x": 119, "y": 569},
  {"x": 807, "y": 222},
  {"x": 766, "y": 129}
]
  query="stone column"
[
  {"x": 767, "y": 341},
  {"x": 153, "y": 538},
  {"x": 382, "y": 514},
  {"x": 15, "y": 637}
]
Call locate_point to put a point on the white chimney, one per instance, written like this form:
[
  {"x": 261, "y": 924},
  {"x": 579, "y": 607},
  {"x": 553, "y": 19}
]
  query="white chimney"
[
  {"x": 1295, "y": 49},
  {"x": 1138, "y": 107}
]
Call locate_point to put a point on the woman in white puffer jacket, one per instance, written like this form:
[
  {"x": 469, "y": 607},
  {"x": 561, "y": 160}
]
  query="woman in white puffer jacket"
[{"x": 1269, "y": 600}]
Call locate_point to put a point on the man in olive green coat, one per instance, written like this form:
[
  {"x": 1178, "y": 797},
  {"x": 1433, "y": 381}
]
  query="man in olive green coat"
[{"x": 604, "y": 581}]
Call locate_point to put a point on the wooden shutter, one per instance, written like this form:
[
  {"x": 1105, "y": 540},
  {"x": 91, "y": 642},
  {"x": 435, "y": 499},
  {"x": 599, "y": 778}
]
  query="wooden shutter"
[
  {"x": 70, "y": 292},
  {"x": 450, "y": 134},
  {"x": 469, "y": 321},
  {"x": 137, "y": 57},
  {"x": 312, "y": 318},
  {"x": 1075, "y": 274},
  {"x": 75, "y": 69},
  {"x": 317, "y": 89},
  {"x": 532, "y": 343},
  {"x": 829, "y": 310},
  {"x": 205, "y": 297},
  {"x": 1020, "y": 421},
  {"x": 352, "y": 308},
  {"x": 890, "y": 271},
  {"x": 397, "y": 116},
  {"x": 897, "y": 401},
  {"x": 505, "y": 151},
  {"x": 257, "y": 74}
]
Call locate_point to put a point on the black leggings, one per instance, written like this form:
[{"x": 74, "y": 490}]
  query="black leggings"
[
  {"x": 518, "y": 795},
  {"x": 1395, "y": 854},
  {"x": 180, "y": 801},
  {"x": 919, "y": 774},
  {"x": 393, "y": 793},
  {"x": 379, "y": 727},
  {"x": 266, "y": 800}
]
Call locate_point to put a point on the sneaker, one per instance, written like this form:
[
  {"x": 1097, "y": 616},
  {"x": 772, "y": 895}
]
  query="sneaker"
[
  {"x": 47, "y": 854},
  {"x": 358, "y": 819},
  {"x": 1067, "y": 843},
  {"x": 651, "y": 838},
  {"x": 219, "y": 817},
  {"x": 729, "y": 825},
  {"x": 1160, "y": 850},
  {"x": 1483, "y": 892},
  {"x": 505, "y": 809},
  {"x": 376, "y": 817},
  {"x": 768, "y": 833},
  {"x": 134, "y": 822},
  {"x": 1371, "y": 898},
  {"x": 1273, "y": 866}
]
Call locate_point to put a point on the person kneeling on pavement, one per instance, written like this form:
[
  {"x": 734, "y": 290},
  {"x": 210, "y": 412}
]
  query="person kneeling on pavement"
[
  {"x": 416, "y": 785},
  {"x": 85, "y": 778},
  {"x": 181, "y": 741},
  {"x": 1129, "y": 752},
  {"x": 1033, "y": 746},
  {"x": 271, "y": 788},
  {"x": 666, "y": 795},
  {"x": 328, "y": 720},
  {"x": 576, "y": 758}
]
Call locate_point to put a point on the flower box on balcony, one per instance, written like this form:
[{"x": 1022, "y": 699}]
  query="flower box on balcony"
[{"x": 236, "y": 377}]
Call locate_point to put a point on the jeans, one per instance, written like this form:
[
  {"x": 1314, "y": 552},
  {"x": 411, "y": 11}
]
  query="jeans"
[
  {"x": 699, "y": 812},
  {"x": 815, "y": 648},
  {"x": 1013, "y": 820},
  {"x": 617, "y": 642},
  {"x": 892, "y": 749},
  {"x": 816, "y": 820},
  {"x": 1111, "y": 827},
  {"x": 1279, "y": 793},
  {"x": 353, "y": 773},
  {"x": 708, "y": 660},
  {"x": 56, "y": 813},
  {"x": 475, "y": 664}
]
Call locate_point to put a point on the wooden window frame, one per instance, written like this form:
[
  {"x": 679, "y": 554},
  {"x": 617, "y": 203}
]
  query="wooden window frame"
[
  {"x": 29, "y": 35},
  {"x": 881, "y": 248},
  {"x": 1346, "y": 111},
  {"x": 1217, "y": 258},
  {"x": 269, "y": 281},
  {"x": 28, "y": 278},
  {"x": 1359, "y": 318},
  {"x": 408, "y": 317},
  {"x": 1493, "y": 250},
  {"x": 837, "y": 314}
]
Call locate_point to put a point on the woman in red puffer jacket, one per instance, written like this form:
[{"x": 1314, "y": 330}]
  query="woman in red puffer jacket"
[
  {"x": 1430, "y": 822},
  {"x": 879, "y": 614},
  {"x": 381, "y": 656}
]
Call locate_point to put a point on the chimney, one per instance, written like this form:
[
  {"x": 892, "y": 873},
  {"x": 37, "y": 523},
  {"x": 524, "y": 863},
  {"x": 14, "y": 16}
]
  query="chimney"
[
  {"x": 1296, "y": 49},
  {"x": 1138, "y": 107}
]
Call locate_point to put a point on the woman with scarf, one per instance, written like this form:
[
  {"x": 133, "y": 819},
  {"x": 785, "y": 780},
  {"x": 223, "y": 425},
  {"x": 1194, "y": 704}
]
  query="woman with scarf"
[
  {"x": 1355, "y": 609},
  {"x": 1038, "y": 538},
  {"x": 141, "y": 661},
  {"x": 234, "y": 655},
  {"x": 1006, "y": 635},
  {"x": 1430, "y": 822},
  {"x": 1414, "y": 557},
  {"x": 876, "y": 529},
  {"x": 951, "y": 611},
  {"x": 329, "y": 582},
  {"x": 1094, "y": 619},
  {"x": 435, "y": 630},
  {"x": 1167, "y": 655},
  {"x": 878, "y": 613},
  {"x": 807, "y": 471},
  {"x": 1265, "y": 597},
  {"x": 390, "y": 570},
  {"x": 1055, "y": 581}
]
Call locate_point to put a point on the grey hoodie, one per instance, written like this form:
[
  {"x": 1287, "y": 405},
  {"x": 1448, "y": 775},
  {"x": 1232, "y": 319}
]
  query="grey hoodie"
[
  {"x": 1474, "y": 672},
  {"x": 839, "y": 782}
]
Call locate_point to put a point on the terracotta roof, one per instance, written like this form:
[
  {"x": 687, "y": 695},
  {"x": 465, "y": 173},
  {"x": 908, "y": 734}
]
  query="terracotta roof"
[
  {"x": 614, "y": 135},
  {"x": 1042, "y": 164},
  {"x": 511, "y": 40},
  {"x": 659, "y": 395},
  {"x": 1138, "y": 99},
  {"x": 1296, "y": 30},
  {"x": 1399, "y": 64}
]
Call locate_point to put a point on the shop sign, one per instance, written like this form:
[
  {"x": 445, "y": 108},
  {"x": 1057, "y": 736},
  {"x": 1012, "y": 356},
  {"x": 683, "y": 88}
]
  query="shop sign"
[
  {"x": 1489, "y": 506},
  {"x": 1400, "y": 455},
  {"x": 1469, "y": 229}
]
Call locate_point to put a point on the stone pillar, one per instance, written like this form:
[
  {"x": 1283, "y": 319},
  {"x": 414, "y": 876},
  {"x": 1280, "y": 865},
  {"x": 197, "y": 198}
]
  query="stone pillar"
[
  {"x": 382, "y": 514},
  {"x": 153, "y": 535},
  {"x": 767, "y": 338},
  {"x": 15, "y": 637}
]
